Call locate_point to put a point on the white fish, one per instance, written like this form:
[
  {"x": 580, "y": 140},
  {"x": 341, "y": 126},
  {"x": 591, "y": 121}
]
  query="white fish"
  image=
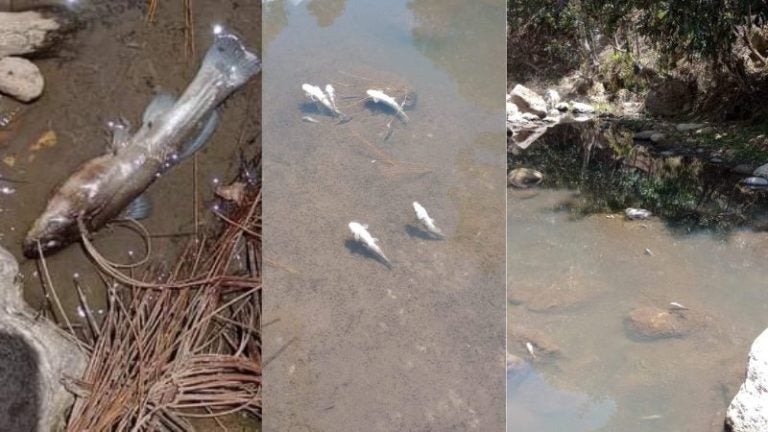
[
  {"x": 677, "y": 306},
  {"x": 636, "y": 213},
  {"x": 360, "y": 231},
  {"x": 379, "y": 96},
  {"x": 428, "y": 222},
  {"x": 309, "y": 119},
  {"x": 315, "y": 94},
  {"x": 529, "y": 347},
  {"x": 331, "y": 96}
]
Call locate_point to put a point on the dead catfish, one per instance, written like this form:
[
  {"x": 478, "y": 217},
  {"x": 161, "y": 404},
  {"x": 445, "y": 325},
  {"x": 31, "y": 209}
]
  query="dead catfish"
[{"x": 111, "y": 185}]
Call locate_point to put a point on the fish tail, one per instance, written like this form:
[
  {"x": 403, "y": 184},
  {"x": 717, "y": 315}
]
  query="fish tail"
[{"x": 229, "y": 57}]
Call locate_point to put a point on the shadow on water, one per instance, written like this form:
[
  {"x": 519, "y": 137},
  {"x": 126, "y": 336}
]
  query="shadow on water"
[
  {"x": 416, "y": 232},
  {"x": 612, "y": 171},
  {"x": 19, "y": 400},
  {"x": 357, "y": 248}
]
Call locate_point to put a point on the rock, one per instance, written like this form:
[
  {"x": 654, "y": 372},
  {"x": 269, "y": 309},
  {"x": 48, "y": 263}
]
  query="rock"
[
  {"x": 528, "y": 101},
  {"x": 656, "y": 323},
  {"x": 35, "y": 355},
  {"x": 743, "y": 169},
  {"x": 512, "y": 109},
  {"x": 530, "y": 116},
  {"x": 684, "y": 127},
  {"x": 671, "y": 97},
  {"x": 25, "y": 32},
  {"x": 581, "y": 108},
  {"x": 761, "y": 171},
  {"x": 552, "y": 98},
  {"x": 755, "y": 182},
  {"x": 562, "y": 107},
  {"x": 637, "y": 213},
  {"x": 645, "y": 135},
  {"x": 748, "y": 411},
  {"x": 20, "y": 78},
  {"x": 658, "y": 138},
  {"x": 524, "y": 178}
]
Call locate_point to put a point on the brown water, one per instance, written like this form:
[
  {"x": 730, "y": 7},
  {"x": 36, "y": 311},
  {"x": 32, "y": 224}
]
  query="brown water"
[
  {"x": 110, "y": 68},
  {"x": 350, "y": 343},
  {"x": 574, "y": 276}
]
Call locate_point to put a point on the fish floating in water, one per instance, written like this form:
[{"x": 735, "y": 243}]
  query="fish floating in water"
[
  {"x": 637, "y": 213},
  {"x": 316, "y": 95},
  {"x": 379, "y": 96},
  {"x": 361, "y": 234},
  {"x": 172, "y": 130},
  {"x": 426, "y": 221}
]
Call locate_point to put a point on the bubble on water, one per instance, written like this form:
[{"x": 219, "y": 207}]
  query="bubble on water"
[
  {"x": 215, "y": 181},
  {"x": 76, "y": 275},
  {"x": 81, "y": 311},
  {"x": 7, "y": 190},
  {"x": 217, "y": 29}
]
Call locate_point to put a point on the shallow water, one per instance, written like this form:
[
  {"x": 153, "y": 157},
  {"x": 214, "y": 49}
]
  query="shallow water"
[
  {"x": 575, "y": 275},
  {"x": 350, "y": 343},
  {"x": 109, "y": 68}
]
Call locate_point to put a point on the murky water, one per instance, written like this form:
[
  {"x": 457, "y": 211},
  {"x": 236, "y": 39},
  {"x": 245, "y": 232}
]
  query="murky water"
[
  {"x": 576, "y": 270},
  {"x": 350, "y": 343},
  {"x": 110, "y": 68}
]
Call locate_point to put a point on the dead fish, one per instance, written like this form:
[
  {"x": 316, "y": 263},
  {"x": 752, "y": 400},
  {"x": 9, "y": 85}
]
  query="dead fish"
[
  {"x": 361, "y": 234},
  {"x": 677, "y": 306},
  {"x": 379, "y": 96},
  {"x": 331, "y": 96},
  {"x": 309, "y": 119},
  {"x": 316, "y": 95},
  {"x": 172, "y": 130},
  {"x": 637, "y": 213},
  {"x": 529, "y": 347},
  {"x": 524, "y": 178},
  {"x": 426, "y": 221}
]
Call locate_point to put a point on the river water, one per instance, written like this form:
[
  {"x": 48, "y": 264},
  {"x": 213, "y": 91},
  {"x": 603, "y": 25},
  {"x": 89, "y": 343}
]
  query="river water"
[
  {"x": 350, "y": 343},
  {"x": 577, "y": 268}
]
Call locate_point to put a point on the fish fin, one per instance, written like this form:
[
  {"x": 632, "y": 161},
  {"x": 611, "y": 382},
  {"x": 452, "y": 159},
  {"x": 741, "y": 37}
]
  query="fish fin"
[
  {"x": 138, "y": 209},
  {"x": 229, "y": 57},
  {"x": 121, "y": 132},
  {"x": 161, "y": 104},
  {"x": 209, "y": 126}
]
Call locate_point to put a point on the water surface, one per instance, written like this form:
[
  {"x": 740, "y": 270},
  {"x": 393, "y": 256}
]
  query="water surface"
[{"x": 350, "y": 343}]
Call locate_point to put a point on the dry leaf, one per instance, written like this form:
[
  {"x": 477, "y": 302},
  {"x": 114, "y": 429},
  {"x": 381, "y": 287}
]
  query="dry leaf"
[{"x": 47, "y": 139}]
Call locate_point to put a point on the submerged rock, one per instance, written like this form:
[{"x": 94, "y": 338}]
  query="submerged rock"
[
  {"x": 761, "y": 171},
  {"x": 528, "y": 101},
  {"x": 748, "y": 411},
  {"x": 25, "y": 32},
  {"x": 582, "y": 108},
  {"x": 544, "y": 348},
  {"x": 35, "y": 355},
  {"x": 637, "y": 214},
  {"x": 524, "y": 178},
  {"x": 20, "y": 78},
  {"x": 755, "y": 182},
  {"x": 645, "y": 135},
  {"x": 684, "y": 127},
  {"x": 657, "y": 323},
  {"x": 552, "y": 97}
]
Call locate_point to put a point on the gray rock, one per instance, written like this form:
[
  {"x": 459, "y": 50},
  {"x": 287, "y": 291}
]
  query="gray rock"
[
  {"x": 748, "y": 411},
  {"x": 562, "y": 107},
  {"x": 35, "y": 355},
  {"x": 755, "y": 182},
  {"x": 552, "y": 98},
  {"x": 524, "y": 178},
  {"x": 658, "y": 138},
  {"x": 761, "y": 171},
  {"x": 20, "y": 78},
  {"x": 528, "y": 101},
  {"x": 645, "y": 135},
  {"x": 24, "y": 32},
  {"x": 743, "y": 169},
  {"x": 582, "y": 108},
  {"x": 684, "y": 127}
]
